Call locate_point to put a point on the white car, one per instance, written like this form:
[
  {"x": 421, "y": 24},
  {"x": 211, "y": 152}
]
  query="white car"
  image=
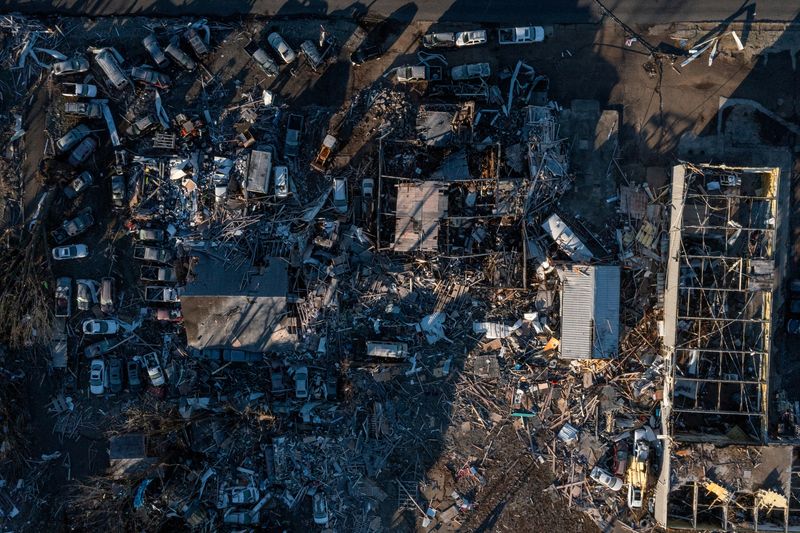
[
  {"x": 153, "y": 367},
  {"x": 470, "y": 38},
  {"x": 100, "y": 327},
  {"x": 470, "y": 72},
  {"x": 73, "y": 251},
  {"x": 604, "y": 477},
  {"x": 276, "y": 42},
  {"x": 520, "y": 35},
  {"x": 97, "y": 377}
]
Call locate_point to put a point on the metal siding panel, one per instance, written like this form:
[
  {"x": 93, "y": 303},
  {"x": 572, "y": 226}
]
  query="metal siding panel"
[
  {"x": 576, "y": 313},
  {"x": 606, "y": 311}
]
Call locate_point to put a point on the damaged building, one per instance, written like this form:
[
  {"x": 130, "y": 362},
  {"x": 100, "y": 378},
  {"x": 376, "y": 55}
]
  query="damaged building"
[
  {"x": 242, "y": 308},
  {"x": 721, "y": 469}
]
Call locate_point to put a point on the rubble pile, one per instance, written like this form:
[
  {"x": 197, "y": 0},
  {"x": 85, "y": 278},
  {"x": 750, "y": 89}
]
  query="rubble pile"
[{"x": 284, "y": 316}]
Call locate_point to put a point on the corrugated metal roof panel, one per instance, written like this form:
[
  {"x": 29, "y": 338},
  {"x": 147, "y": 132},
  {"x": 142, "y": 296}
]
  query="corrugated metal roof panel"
[
  {"x": 590, "y": 312},
  {"x": 577, "y": 300}
]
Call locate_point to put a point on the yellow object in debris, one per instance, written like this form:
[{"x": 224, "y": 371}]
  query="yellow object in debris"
[
  {"x": 552, "y": 344},
  {"x": 647, "y": 235},
  {"x": 723, "y": 495},
  {"x": 769, "y": 499}
]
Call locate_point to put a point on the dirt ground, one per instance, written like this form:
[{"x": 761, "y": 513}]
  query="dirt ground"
[{"x": 582, "y": 61}]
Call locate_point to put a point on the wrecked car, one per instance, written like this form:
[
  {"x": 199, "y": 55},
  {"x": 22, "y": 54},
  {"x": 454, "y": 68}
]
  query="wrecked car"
[
  {"x": 72, "y": 137},
  {"x": 470, "y": 72},
  {"x": 340, "y": 202},
  {"x": 150, "y": 77},
  {"x": 82, "y": 152},
  {"x": 198, "y": 45},
  {"x": 99, "y": 349},
  {"x": 150, "y": 234},
  {"x": 150, "y": 44},
  {"x": 154, "y": 372},
  {"x": 76, "y": 65},
  {"x": 63, "y": 297},
  {"x": 309, "y": 50},
  {"x": 84, "y": 109},
  {"x": 244, "y": 495},
  {"x": 261, "y": 57},
  {"x": 180, "y": 57},
  {"x": 100, "y": 327},
  {"x": 470, "y": 38},
  {"x": 417, "y": 74},
  {"x": 86, "y": 294},
  {"x": 118, "y": 191},
  {"x": 152, "y": 253},
  {"x": 115, "y": 374},
  {"x": 107, "y": 295},
  {"x": 605, "y": 478},
  {"x": 134, "y": 382},
  {"x": 82, "y": 182},
  {"x": 109, "y": 60},
  {"x": 142, "y": 126},
  {"x": 161, "y": 294},
  {"x": 364, "y": 53},
  {"x": 97, "y": 377},
  {"x": 439, "y": 40},
  {"x": 73, "y": 227},
  {"x": 79, "y": 90},
  {"x": 73, "y": 251},
  {"x": 153, "y": 273},
  {"x": 283, "y": 50},
  {"x": 301, "y": 382},
  {"x": 294, "y": 127}
]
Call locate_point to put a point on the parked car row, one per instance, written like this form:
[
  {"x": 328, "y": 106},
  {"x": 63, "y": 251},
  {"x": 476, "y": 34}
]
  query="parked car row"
[
  {"x": 112, "y": 374},
  {"x": 515, "y": 35}
]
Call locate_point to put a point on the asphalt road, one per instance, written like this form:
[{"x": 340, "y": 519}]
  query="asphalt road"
[{"x": 489, "y": 11}]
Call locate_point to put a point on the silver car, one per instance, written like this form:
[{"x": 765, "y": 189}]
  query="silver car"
[
  {"x": 76, "y": 65},
  {"x": 279, "y": 45}
]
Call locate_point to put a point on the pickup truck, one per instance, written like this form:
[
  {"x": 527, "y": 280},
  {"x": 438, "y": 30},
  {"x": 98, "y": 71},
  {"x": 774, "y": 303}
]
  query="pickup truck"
[
  {"x": 439, "y": 40},
  {"x": 520, "y": 35},
  {"x": 161, "y": 294},
  {"x": 63, "y": 297},
  {"x": 85, "y": 90},
  {"x": 325, "y": 151},
  {"x": 74, "y": 227},
  {"x": 152, "y": 253},
  {"x": 84, "y": 109},
  {"x": 154, "y": 273},
  {"x": 294, "y": 127},
  {"x": 418, "y": 74}
]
